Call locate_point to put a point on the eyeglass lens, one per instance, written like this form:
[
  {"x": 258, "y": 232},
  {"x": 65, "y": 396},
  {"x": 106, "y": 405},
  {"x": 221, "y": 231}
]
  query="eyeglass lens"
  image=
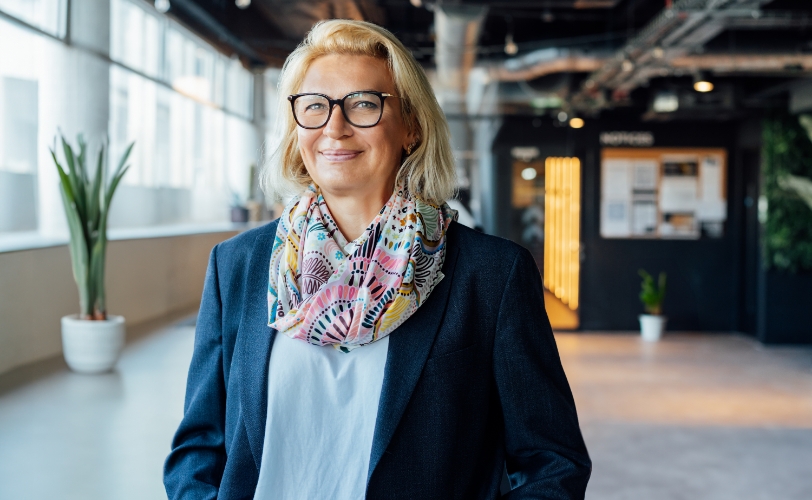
[{"x": 361, "y": 109}]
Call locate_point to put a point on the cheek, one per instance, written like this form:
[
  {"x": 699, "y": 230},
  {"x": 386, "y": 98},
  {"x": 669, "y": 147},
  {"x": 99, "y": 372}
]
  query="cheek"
[
  {"x": 390, "y": 140},
  {"x": 306, "y": 142}
]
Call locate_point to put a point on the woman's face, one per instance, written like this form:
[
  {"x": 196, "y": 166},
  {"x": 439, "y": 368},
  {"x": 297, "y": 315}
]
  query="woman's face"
[{"x": 344, "y": 160}]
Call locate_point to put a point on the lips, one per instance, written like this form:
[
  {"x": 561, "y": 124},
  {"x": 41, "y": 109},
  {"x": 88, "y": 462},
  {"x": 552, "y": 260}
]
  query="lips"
[{"x": 340, "y": 154}]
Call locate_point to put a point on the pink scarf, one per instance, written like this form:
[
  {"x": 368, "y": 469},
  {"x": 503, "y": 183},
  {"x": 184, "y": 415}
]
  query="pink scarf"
[{"x": 325, "y": 290}]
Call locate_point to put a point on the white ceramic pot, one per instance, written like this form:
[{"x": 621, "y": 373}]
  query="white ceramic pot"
[
  {"x": 92, "y": 346},
  {"x": 651, "y": 327}
]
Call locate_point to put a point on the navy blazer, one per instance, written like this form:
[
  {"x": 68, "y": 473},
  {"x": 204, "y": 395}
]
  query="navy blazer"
[{"x": 472, "y": 385}]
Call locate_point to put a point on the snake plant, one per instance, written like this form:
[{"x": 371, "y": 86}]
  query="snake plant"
[{"x": 87, "y": 200}]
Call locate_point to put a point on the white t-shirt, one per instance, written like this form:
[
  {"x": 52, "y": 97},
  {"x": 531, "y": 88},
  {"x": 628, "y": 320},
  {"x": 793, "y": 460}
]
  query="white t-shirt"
[{"x": 322, "y": 407}]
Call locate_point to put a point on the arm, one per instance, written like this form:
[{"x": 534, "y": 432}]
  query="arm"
[
  {"x": 195, "y": 465},
  {"x": 545, "y": 453}
]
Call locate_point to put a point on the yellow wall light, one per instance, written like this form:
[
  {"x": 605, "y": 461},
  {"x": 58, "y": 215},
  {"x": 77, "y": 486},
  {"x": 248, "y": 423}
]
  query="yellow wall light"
[
  {"x": 703, "y": 86},
  {"x": 562, "y": 228}
]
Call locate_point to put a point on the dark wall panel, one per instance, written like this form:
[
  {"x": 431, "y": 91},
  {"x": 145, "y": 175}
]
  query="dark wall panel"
[{"x": 703, "y": 275}]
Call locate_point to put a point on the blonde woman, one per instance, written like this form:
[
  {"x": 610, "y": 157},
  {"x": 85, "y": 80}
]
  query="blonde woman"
[{"x": 365, "y": 345}]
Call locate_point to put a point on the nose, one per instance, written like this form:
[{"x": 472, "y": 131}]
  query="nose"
[{"x": 337, "y": 126}]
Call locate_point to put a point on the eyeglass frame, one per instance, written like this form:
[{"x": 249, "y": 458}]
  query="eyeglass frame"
[{"x": 340, "y": 103}]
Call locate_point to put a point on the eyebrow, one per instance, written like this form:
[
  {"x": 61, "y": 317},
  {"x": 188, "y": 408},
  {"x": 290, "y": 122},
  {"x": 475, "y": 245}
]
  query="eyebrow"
[{"x": 348, "y": 93}]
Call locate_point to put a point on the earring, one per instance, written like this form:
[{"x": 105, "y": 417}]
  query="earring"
[{"x": 410, "y": 147}]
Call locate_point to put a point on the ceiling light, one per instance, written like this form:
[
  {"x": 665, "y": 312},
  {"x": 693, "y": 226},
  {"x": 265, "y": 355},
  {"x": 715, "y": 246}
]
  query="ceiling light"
[
  {"x": 529, "y": 173},
  {"x": 242, "y": 4},
  {"x": 703, "y": 86},
  {"x": 162, "y": 6},
  {"x": 576, "y": 122},
  {"x": 416, "y": 3},
  {"x": 665, "y": 102},
  {"x": 510, "y": 46},
  {"x": 701, "y": 82},
  {"x": 626, "y": 66},
  {"x": 657, "y": 52}
]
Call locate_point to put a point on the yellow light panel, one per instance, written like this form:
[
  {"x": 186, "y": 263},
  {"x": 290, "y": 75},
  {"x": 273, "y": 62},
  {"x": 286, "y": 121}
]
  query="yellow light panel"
[{"x": 562, "y": 228}]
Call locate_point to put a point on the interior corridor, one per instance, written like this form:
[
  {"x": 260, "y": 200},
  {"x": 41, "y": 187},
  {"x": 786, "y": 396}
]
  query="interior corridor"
[{"x": 691, "y": 417}]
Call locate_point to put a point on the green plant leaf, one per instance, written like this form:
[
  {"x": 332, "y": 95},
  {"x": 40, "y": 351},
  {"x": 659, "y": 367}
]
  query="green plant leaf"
[
  {"x": 94, "y": 200},
  {"x": 86, "y": 201},
  {"x": 64, "y": 180},
  {"x": 79, "y": 255},
  {"x": 97, "y": 271},
  {"x": 74, "y": 175},
  {"x": 650, "y": 295}
]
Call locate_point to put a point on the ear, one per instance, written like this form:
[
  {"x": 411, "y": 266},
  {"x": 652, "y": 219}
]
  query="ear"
[{"x": 411, "y": 138}]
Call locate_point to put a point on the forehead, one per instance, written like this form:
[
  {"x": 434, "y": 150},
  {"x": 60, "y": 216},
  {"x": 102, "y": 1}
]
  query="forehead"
[{"x": 336, "y": 75}]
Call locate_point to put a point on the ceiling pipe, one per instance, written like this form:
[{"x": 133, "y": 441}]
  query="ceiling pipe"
[
  {"x": 546, "y": 62},
  {"x": 744, "y": 63},
  {"x": 674, "y": 33},
  {"x": 457, "y": 30},
  {"x": 457, "y": 33}
]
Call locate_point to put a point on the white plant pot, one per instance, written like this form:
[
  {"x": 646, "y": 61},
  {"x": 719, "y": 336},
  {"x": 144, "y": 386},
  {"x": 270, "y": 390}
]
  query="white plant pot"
[
  {"x": 92, "y": 346},
  {"x": 651, "y": 327}
]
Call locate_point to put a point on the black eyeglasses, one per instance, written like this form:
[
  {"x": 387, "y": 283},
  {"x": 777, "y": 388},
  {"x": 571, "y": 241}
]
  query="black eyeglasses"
[{"x": 361, "y": 109}]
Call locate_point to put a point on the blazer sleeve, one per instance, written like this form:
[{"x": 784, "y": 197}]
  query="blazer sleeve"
[
  {"x": 195, "y": 465},
  {"x": 545, "y": 452}
]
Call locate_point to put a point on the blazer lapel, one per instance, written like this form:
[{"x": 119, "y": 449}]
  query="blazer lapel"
[
  {"x": 409, "y": 347},
  {"x": 254, "y": 342}
]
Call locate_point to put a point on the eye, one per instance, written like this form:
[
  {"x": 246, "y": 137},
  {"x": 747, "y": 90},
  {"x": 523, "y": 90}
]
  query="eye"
[
  {"x": 316, "y": 106},
  {"x": 364, "y": 104}
]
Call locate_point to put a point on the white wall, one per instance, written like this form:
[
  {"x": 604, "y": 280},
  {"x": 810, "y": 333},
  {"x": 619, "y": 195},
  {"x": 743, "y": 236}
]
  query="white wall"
[{"x": 146, "y": 279}]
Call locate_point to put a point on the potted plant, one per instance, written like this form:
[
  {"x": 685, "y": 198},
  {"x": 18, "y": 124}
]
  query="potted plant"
[
  {"x": 91, "y": 340},
  {"x": 239, "y": 210},
  {"x": 652, "y": 324}
]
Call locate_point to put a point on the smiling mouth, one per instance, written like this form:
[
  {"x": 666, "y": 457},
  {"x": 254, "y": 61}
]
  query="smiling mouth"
[{"x": 340, "y": 154}]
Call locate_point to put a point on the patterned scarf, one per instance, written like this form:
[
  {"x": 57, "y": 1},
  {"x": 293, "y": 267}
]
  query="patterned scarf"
[{"x": 325, "y": 290}]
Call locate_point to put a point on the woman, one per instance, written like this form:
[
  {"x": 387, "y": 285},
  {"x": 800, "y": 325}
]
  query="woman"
[{"x": 364, "y": 344}]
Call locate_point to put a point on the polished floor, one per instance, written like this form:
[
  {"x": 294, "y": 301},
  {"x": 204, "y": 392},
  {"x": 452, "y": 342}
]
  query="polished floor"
[{"x": 691, "y": 417}]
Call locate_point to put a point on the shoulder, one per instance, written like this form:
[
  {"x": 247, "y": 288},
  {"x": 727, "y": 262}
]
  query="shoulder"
[
  {"x": 244, "y": 241},
  {"x": 484, "y": 251},
  {"x": 238, "y": 250}
]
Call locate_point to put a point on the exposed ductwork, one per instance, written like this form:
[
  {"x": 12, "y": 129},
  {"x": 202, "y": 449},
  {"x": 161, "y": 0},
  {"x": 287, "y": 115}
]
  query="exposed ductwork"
[
  {"x": 745, "y": 63},
  {"x": 668, "y": 44},
  {"x": 457, "y": 33},
  {"x": 545, "y": 62}
]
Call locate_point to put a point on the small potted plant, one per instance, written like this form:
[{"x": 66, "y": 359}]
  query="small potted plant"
[
  {"x": 652, "y": 324},
  {"x": 239, "y": 210},
  {"x": 91, "y": 340}
]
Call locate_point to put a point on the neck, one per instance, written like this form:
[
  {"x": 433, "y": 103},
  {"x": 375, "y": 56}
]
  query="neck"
[{"x": 353, "y": 213}]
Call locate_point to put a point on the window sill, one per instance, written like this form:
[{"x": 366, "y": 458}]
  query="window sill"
[{"x": 32, "y": 240}]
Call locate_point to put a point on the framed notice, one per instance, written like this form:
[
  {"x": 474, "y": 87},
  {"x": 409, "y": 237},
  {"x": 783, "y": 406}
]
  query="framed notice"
[{"x": 663, "y": 193}]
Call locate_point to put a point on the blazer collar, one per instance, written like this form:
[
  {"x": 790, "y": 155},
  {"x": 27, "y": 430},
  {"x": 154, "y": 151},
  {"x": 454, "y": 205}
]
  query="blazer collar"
[
  {"x": 254, "y": 341},
  {"x": 409, "y": 347}
]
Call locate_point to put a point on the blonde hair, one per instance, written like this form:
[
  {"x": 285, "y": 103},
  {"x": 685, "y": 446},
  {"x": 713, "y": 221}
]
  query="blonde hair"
[{"x": 428, "y": 172}]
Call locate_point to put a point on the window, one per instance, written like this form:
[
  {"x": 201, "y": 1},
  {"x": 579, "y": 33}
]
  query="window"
[
  {"x": 20, "y": 57},
  {"x": 46, "y": 15},
  {"x": 188, "y": 108}
]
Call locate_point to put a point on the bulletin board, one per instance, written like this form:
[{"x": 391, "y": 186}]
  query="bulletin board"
[{"x": 663, "y": 193}]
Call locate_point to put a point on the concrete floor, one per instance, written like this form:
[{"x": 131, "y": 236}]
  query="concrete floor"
[{"x": 691, "y": 417}]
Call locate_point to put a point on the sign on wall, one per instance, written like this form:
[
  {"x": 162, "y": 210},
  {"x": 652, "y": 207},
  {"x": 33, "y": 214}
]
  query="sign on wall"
[{"x": 662, "y": 193}]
